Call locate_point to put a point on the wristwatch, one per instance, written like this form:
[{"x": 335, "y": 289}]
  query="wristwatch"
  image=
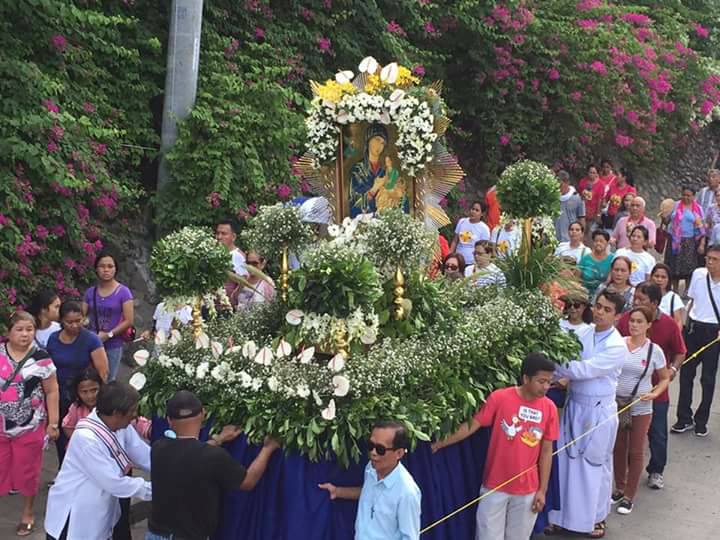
[{"x": 111, "y": 334}]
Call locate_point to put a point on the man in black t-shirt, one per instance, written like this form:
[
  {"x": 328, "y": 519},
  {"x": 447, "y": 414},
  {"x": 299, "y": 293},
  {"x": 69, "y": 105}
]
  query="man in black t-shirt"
[{"x": 189, "y": 476}]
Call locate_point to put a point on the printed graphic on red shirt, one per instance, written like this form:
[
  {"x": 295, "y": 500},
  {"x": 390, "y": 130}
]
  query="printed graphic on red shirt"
[{"x": 518, "y": 428}]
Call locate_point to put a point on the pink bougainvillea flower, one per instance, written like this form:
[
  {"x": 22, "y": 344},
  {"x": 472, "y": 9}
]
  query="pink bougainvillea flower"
[
  {"x": 324, "y": 44},
  {"x": 58, "y": 230},
  {"x": 505, "y": 139},
  {"x": 598, "y": 67},
  {"x": 4, "y": 220},
  {"x": 41, "y": 232},
  {"x": 214, "y": 199},
  {"x": 443, "y": 202},
  {"x": 707, "y": 107},
  {"x": 50, "y": 106},
  {"x": 518, "y": 39},
  {"x": 307, "y": 14},
  {"x": 623, "y": 140},
  {"x": 461, "y": 186},
  {"x": 394, "y": 28},
  {"x": 252, "y": 209},
  {"x": 588, "y": 24},
  {"x": 419, "y": 70},
  {"x": 501, "y": 13},
  {"x": 701, "y": 31},
  {"x": 88, "y": 107},
  {"x": 553, "y": 74},
  {"x": 259, "y": 33},
  {"x": 59, "y": 43},
  {"x": 430, "y": 29},
  {"x": 637, "y": 18},
  {"x": 52, "y": 147},
  {"x": 587, "y": 5},
  {"x": 576, "y": 96},
  {"x": 327, "y": 4},
  {"x": 283, "y": 191}
]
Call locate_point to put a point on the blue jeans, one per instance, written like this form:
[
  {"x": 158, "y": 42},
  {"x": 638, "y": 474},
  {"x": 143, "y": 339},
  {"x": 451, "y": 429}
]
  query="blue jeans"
[
  {"x": 114, "y": 356},
  {"x": 152, "y": 536},
  {"x": 658, "y": 438}
]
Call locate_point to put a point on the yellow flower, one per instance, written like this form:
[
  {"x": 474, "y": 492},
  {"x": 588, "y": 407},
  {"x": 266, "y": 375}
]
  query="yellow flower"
[
  {"x": 405, "y": 78},
  {"x": 333, "y": 91},
  {"x": 373, "y": 84}
]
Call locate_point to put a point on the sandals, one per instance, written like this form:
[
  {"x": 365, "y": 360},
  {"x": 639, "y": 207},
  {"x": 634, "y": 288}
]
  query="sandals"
[
  {"x": 25, "y": 529},
  {"x": 599, "y": 530}
]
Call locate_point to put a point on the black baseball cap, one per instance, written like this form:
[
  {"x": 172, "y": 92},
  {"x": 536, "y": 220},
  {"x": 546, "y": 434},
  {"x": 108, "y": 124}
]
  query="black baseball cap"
[{"x": 183, "y": 404}]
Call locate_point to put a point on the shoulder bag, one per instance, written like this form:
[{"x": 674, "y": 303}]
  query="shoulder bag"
[
  {"x": 712, "y": 298},
  {"x": 624, "y": 417}
]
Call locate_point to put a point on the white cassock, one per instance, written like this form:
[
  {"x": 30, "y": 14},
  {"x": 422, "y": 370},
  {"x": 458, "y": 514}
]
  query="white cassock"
[
  {"x": 586, "y": 468},
  {"x": 90, "y": 482}
]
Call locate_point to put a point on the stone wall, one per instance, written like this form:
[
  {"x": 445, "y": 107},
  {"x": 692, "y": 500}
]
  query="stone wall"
[{"x": 689, "y": 166}]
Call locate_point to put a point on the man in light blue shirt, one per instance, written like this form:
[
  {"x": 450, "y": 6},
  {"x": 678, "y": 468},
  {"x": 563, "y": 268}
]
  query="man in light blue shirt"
[{"x": 389, "y": 507}]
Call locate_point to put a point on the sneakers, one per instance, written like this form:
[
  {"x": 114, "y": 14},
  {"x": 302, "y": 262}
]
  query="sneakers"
[
  {"x": 682, "y": 427},
  {"x": 616, "y": 497},
  {"x": 655, "y": 481},
  {"x": 701, "y": 431},
  {"x": 625, "y": 507}
]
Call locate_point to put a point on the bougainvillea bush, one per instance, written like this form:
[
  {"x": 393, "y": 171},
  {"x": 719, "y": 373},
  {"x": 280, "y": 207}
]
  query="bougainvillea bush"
[
  {"x": 557, "y": 81},
  {"x": 76, "y": 85}
]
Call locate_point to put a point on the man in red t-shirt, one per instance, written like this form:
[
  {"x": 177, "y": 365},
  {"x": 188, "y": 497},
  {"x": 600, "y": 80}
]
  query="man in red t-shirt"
[
  {"x": 665, "y": 333},
  {"x": 524, "y": 424}
]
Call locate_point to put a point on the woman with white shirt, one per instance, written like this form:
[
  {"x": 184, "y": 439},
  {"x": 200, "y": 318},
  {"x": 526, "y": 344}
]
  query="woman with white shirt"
[
  {"x": 672, "y": 303},
  {"x": 643, "y": 359},
  {"x": 45, "y": 307},
  {"x": 575, "y": 248},
  {"x": 642, "y": 261}
]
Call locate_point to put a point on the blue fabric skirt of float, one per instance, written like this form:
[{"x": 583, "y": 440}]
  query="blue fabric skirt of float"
[{"x": 287, "y": 504}]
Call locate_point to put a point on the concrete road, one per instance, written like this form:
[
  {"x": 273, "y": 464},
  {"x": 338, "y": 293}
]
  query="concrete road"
[{"x": 686, "y": 508}]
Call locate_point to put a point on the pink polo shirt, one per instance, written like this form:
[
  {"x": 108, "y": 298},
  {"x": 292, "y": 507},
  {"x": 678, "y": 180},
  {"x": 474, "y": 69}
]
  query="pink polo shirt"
[{"x": 624, "y": 227}]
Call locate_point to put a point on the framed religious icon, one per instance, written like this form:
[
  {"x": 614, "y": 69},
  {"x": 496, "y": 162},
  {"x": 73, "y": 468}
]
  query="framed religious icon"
[{"x": 376, "y": 142}]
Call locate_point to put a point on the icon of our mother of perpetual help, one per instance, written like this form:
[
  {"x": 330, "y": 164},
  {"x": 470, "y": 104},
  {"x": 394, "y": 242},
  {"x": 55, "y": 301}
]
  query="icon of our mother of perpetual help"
[{"x": 375, "y": 182}]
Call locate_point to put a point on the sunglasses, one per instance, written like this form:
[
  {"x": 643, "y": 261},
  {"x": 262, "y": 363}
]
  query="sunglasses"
[
  {"x": 451, "y": 267},
  {"x": 575, "y": 305},
  {"x": 379, "y": 448}
]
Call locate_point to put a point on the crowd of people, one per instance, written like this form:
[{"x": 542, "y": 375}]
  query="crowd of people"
[{"x": 60, "y": 360}]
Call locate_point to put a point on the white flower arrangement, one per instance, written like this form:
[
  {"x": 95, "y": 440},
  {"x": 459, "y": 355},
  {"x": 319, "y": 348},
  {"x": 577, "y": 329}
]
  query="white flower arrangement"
[
  {"x": 322, "y": 328},
  {"x": 390, "y": 98}
]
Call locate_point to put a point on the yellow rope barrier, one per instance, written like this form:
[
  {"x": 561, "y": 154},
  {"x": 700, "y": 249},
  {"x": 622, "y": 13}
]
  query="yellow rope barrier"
[{"x": 588, "y": 432}]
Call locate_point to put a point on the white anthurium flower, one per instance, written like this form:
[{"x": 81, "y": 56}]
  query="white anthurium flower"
[
  {"x": 368, "y": 65},
  {"x": 264, "y": 356},
  {"x": 328, "y": 413},
  {"x": 389, "y": 73},
  {"x": 249, "y": 349},
  {"x": 294, "y": 317},
  {"x": 141, "y": 357},
  {"x": 284, "y": 349},
  {"x": 234, "y": 349},
  {"x": 385, "y": 118},
  {"x": 216, "y": 348},
  {"x": 344, "y": 77},
  {"x": 328, "y": 104},
  {"x": 333, "y": 230},
  {"x": 273, "y": 384},
  {"x": 202, "y": 341},
  {"x": 316, "y": 396},
  {"x": 343, "y": 117},
  {"x": 306, "y": 355},
  {"x": 336, "y": 363},
  {"x": 397, "y": 95},
  {"x": 302, "y": 390},
  {"x": 137, "y": 381},
  {"x": 160, "y": 337},
  {"x": 341, "y": 384},
  {"x": 175, "y": 336},
  {"x": 368, "y": 338}
]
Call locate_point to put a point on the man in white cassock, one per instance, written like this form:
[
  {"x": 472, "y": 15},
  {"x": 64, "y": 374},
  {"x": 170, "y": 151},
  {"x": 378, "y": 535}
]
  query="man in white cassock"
[
  {"x": 586, "y": 467},
  {"x": 83, "y": 502}
]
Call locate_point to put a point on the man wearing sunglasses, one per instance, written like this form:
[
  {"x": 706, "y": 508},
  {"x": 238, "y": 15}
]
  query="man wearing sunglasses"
[{"x": 389, "y": 506}]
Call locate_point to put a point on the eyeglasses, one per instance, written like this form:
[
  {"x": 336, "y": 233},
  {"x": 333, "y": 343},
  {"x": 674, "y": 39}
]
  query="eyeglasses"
[
  {"x": 575, "y": 305},
  {"x": 452, "y": 267},
  {"x": 379, "y": 448}
]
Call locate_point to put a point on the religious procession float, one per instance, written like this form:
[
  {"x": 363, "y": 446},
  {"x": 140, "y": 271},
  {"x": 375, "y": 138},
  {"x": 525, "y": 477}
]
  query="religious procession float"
[{"x": 359, "y": 331}]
